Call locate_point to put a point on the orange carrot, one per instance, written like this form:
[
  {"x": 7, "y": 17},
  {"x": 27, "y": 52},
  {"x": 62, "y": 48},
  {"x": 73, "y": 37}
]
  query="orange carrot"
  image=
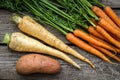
[
  {"x": 78, "y": 42},
  {"x": 117, "y": 50},
  {"x": 116, "y": 38},
  {"x": 105, "y": 51},
  {"x": 107, "y": 36},
  {"x": 92, "y": 31},
  {"x": 100, "y": 13},
  {"x": 108, "y": 10},
  {"x": 103, "y": 23},
  {"x": 86, "y": 37}
]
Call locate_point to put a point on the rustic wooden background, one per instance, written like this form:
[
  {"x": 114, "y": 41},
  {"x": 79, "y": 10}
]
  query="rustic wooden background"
[{"x": 8, "y": 58}]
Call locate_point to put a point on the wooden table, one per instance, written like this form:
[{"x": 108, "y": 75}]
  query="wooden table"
[{"x": 8, "y": 58}]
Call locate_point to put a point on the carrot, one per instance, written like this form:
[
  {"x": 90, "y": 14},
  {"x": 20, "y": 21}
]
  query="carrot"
[
  {"x": 105, "y": 51},
  {"x": 107, "y": 36},
  {"x": 117, "y": 50},
  {"x": 31, "y": 27},
  {"x": 86, "y": 37},
  {"x": 103, "y": 23},
  {"x": 23, "y": 43},
  {"x": 78, "y": 42},
  {"x": 115, "y": 37},
  {"x": 100, "y": 13},
  {"x": 92, "y": 31},
  {"x": 108, "y": 10}
]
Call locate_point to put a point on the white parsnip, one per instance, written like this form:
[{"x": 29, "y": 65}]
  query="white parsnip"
[
  {"x": 20, "y": 42},
  {"x": 31, "y": 27}
]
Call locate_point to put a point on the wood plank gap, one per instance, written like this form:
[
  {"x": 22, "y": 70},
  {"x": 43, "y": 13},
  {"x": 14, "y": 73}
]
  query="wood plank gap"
[
  {"x": 70, "y": 44},
  {"x": 117, "y": 8},
  {"x": 2, "y": 44}
]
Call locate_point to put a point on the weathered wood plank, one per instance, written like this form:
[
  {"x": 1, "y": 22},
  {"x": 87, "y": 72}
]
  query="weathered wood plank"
[
  {"x": 104, "y": 71},
  {"x": 112, "y": 3},
  {"x": 8, "y": 58}
]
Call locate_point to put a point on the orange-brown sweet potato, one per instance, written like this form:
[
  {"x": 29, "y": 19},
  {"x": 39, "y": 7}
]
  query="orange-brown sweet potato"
[{"x": 36, "y": 63}]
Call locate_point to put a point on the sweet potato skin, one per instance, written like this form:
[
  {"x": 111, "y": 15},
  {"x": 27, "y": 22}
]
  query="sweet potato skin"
[{"x": 36, "y": 63}]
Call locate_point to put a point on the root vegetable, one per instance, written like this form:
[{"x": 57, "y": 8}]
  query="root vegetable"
[
  {"x": 36, "y": 63},
  {"x": 100, "y": 13},
  {"x": 86, "y": 37},
  {"x": 107, "y": 52},
  {"x": 92, "y": 31},
  {"x": 80, "y": 43},
  {"x": 108, "y": 36},
  {"x": 31, "y": 27},
  {"x": 23, "y": 43}
]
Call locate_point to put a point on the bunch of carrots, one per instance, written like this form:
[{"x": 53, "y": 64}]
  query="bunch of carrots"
[{"x": 88, "y": 24}]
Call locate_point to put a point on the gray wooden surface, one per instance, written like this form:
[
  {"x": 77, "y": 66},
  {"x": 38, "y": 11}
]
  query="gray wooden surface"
[{"x": 8, "y": 58}]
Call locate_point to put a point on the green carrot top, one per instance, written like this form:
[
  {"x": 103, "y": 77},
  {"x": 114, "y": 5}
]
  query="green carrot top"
[
  {"x": 16, "y": 18},
  {"x": 6, "y": 39}
]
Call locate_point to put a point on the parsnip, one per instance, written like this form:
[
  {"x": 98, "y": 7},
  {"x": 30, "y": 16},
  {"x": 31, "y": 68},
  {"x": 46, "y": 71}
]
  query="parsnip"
[
  {"x": 23, "y": 43},
  {"x": 31, "y": 27}
]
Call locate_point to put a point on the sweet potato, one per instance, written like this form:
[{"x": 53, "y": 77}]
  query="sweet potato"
[{"x": 36, "y": 63}]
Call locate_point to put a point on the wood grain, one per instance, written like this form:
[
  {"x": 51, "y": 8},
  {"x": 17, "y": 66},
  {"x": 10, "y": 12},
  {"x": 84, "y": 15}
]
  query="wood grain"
[
  {"x": 112, "y": 3},
  {"x": 104, "y": 71},
  {"x": 8, "y": 58}
]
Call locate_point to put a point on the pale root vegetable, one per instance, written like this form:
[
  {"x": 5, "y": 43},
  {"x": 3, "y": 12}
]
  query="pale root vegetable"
[
  {"x": 20, "y": 42},
  {"x": 31, "y": 27},
  {"x": 36, "y": 63}
]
